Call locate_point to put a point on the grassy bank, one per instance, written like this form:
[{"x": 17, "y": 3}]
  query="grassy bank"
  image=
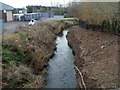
[
  {"x": 26, "y": 53},
  {"x": 75, "y": 21}
]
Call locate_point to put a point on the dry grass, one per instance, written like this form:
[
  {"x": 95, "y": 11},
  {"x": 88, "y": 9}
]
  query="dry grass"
[{"x": 32, "y": 46}]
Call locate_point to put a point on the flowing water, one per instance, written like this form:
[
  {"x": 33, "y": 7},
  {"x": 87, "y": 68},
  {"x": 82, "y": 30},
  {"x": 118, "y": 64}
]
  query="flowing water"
[{"x": 61, "y": 73}]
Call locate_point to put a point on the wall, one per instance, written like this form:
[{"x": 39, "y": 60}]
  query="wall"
[
  {"x": 1, "y": 21},
  {"x": 38, "y": 16},
  {"x": 9, "y": 15},
  {"x": 1, "y": 16},
  {"x": 1, "y": 24}
]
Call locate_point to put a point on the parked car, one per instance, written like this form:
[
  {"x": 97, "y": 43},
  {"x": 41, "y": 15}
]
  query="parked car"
[{"x": 32, "y": 22}]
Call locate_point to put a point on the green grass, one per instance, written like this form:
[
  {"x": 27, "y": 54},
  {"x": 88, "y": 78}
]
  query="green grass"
[
  {"x": 9, "y": 56},
  {"x": 63, "y": 21}
]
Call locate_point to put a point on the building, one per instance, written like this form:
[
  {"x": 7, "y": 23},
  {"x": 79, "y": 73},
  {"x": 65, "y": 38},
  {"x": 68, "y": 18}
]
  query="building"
[
  {"x": 18, "y": 14},
  {"x": 18, "y": 17},
  {"x": 6, "y": 13},
  {"x": 37, "y": 16},
  {"x": 19, "y": 11}
]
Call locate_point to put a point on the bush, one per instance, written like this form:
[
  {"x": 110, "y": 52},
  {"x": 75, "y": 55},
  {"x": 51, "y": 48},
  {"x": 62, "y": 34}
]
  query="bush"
[{"x": 104, "y": 15}]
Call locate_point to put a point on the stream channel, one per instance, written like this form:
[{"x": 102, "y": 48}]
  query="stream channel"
[{"x": 61, "y": 73}]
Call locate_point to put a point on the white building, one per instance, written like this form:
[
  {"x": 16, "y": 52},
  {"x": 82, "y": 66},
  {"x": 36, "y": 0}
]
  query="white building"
[{"x": 6, "y": 13}]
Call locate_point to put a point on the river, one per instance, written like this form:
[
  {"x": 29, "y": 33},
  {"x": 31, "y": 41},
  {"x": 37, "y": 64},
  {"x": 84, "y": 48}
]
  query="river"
[{"x": 61, "y": 73}]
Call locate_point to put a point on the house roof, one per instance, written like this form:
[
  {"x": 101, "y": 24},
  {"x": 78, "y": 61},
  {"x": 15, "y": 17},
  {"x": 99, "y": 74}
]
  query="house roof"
[{"x": 5, "y": 6}]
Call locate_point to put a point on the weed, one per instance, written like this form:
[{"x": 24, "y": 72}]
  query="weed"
[
  {"x": 9, "y": 56},
  {"x": 75, "y": 21},
  {"x": 31, "y": 47}
]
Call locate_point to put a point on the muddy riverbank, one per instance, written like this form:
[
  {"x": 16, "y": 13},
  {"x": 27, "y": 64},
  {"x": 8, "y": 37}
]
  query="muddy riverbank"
[{"x": 96, "y": 56}]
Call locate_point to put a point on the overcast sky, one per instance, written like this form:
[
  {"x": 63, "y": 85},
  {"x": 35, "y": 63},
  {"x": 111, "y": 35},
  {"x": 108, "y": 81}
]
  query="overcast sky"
[{"x": 23, "y": 3}]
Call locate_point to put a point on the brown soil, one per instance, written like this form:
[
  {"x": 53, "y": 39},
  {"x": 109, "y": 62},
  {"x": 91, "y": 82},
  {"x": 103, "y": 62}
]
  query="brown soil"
[{"x": 96, "y": 56}]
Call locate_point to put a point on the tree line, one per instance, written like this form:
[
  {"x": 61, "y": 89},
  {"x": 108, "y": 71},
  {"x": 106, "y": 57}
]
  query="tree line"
[
  {"x": 104, "y": 16},
  {"x": 38, "y": 8}
]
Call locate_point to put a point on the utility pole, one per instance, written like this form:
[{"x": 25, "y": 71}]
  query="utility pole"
[
  {"x": 51, "y": 5},
  {"x": 69, "y": 2},
  {"x": 32, "y": 8}
]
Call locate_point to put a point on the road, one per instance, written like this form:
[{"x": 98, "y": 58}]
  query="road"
[
  {"x": 12, "y": 26},
  {"x": 55, "y": 18},
  {"x": 15, "y": 25}
]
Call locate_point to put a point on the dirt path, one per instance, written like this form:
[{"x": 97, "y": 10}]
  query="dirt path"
[{"x": 96, "y": 55}]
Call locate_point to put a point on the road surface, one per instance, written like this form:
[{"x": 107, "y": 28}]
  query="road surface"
[
  {"x": 15, "y": 25},
  {"x": 12, "y": 26}
]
